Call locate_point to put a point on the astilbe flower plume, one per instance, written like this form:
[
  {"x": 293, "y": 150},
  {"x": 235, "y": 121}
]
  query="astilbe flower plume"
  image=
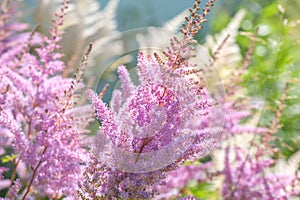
[
  {"x": 245, "y": 178},
  {"x": 38, "y": 117},
  {"x": 240, "y": 170},
  {"x": 167, "y": 104},
  {"x": 247, "y": 175}
]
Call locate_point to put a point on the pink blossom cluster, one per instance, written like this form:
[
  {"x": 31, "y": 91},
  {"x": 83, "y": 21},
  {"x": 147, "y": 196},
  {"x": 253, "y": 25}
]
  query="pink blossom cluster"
[
  {"x": 147, "y": 118},
  {"x": 38, "y": 119}
]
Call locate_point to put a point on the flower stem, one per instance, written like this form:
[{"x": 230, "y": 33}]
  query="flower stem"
[{"x": 33, "y": 176}]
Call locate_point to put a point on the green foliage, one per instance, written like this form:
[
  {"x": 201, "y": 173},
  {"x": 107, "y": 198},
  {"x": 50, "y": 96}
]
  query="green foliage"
[
  {"x": 8, "y": 158},
  {"x": 276, "y": 62},
  {"x": 202, "y": 190}
]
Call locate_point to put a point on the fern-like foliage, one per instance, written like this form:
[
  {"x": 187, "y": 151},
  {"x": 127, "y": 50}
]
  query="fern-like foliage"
[
  {"x": 85, "y": 22},
  {"x": 158, "y": 37},
  {"x": 226, "y": 51}
]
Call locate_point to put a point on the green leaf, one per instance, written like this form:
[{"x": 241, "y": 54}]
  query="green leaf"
[
  {"x": 202, "y": 190},
  {"x": 8, "y": 158}
]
